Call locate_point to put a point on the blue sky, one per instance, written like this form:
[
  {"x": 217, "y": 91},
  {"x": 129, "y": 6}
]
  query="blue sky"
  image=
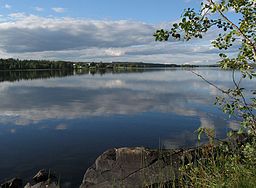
[
  {"x": 149, "y": 11},
  {"x": 96, "y": 30}
]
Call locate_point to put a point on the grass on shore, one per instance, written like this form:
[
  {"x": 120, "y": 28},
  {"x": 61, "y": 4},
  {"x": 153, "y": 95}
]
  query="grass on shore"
[{"x": 227, "y": 166}]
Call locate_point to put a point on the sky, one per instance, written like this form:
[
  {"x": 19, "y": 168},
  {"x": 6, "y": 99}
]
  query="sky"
[{"x": 97, "y": 30}]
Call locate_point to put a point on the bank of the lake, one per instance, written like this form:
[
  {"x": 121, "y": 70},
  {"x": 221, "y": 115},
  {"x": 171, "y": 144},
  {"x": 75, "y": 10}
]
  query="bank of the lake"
[{"x": 139, "y": 167}]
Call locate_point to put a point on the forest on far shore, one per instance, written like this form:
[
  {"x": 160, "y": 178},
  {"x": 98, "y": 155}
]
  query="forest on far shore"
[{"x": 16, "y": 64}]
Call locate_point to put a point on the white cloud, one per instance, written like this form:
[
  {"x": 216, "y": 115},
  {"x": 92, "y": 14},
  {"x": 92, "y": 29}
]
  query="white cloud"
[
  {"x": 114, "y": 52},
  {"x": 7, "y": 6},
  {"x": 32, "y": 37},
  {"x": 59, "y": 9},
  {"x": 39, "y": 9}
]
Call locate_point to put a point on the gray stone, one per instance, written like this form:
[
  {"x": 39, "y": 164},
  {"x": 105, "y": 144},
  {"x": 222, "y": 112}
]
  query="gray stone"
[
  {"x": 132, "y": 167},
  {"x": 43, "y": 175},
  {"x": 43, "y": 185},
  {"x": 140, "y": 167},
  {"x": 13, "y": 183},
  {"x": 43, "y": 179}
]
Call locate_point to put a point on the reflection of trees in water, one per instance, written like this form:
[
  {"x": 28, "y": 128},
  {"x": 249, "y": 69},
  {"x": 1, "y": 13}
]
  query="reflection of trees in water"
[
  {"x": 102, "y": 71},
  {"x": 44, "y": 74},
  {"x": 33, "y": 74}
]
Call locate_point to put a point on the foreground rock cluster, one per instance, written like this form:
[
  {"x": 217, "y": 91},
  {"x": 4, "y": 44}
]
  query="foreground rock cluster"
[
  {"x": 43, "y": 179},
  {"x": 122, "y": 167},
  {"x": 136, "y": 167}
]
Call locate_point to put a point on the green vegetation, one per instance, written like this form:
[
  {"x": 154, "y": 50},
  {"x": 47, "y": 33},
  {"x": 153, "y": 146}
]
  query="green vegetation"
[
  {"x": 119, "y": 65},
  {"x": 16, "y": 64},
  {"x": 229, "y": 166},
  {"x": 226, "y": 164}
]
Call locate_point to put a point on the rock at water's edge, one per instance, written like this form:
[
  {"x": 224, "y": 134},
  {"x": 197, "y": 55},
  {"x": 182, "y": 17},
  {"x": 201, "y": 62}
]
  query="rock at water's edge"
[
  {"x": 43, "y": 179},
  {"x": 132, "y": 167},
  {"x": 13, "y": 183},
  {"x": 43, "y": 175}
]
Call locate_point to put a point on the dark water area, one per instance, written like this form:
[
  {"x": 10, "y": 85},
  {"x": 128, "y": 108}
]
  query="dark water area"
[{"x": 64, "y": 120}]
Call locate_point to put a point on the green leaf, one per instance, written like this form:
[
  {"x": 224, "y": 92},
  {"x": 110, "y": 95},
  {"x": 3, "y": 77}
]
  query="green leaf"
[
  {"x": 230, "y": 133},
  {"x": 240, "y": 131}
]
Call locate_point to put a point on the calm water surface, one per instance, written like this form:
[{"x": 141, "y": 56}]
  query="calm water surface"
[{"x": 64, "y": 123}]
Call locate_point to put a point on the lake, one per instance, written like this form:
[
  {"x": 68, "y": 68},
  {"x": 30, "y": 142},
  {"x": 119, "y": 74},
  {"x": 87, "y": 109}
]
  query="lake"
[{"x": 64, "y": 120}]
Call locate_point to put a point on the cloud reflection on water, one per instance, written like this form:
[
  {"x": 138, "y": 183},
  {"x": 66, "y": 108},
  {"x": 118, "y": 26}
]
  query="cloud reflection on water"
[{"x": 176, "y": 91}]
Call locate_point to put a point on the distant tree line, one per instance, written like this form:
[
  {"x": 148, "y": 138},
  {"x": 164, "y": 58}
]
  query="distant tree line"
[
  {"x": 130, "y": 65},
  {"x": 15, "y": 69},
  {"x": 16, "y": 64}
]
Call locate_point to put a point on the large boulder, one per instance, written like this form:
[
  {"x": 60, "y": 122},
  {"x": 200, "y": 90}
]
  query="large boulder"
[{"x": 134, "y": 167}]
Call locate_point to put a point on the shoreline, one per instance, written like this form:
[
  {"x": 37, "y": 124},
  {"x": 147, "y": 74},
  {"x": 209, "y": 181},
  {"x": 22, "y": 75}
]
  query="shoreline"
[
  {"x": 132, "y": 167},
  {"x": 127, "y": 166}
]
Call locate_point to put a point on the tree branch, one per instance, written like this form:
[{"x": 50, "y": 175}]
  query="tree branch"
[
  {"x": 218, "y": 88},
  {"x": 249, "y": 42}
]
